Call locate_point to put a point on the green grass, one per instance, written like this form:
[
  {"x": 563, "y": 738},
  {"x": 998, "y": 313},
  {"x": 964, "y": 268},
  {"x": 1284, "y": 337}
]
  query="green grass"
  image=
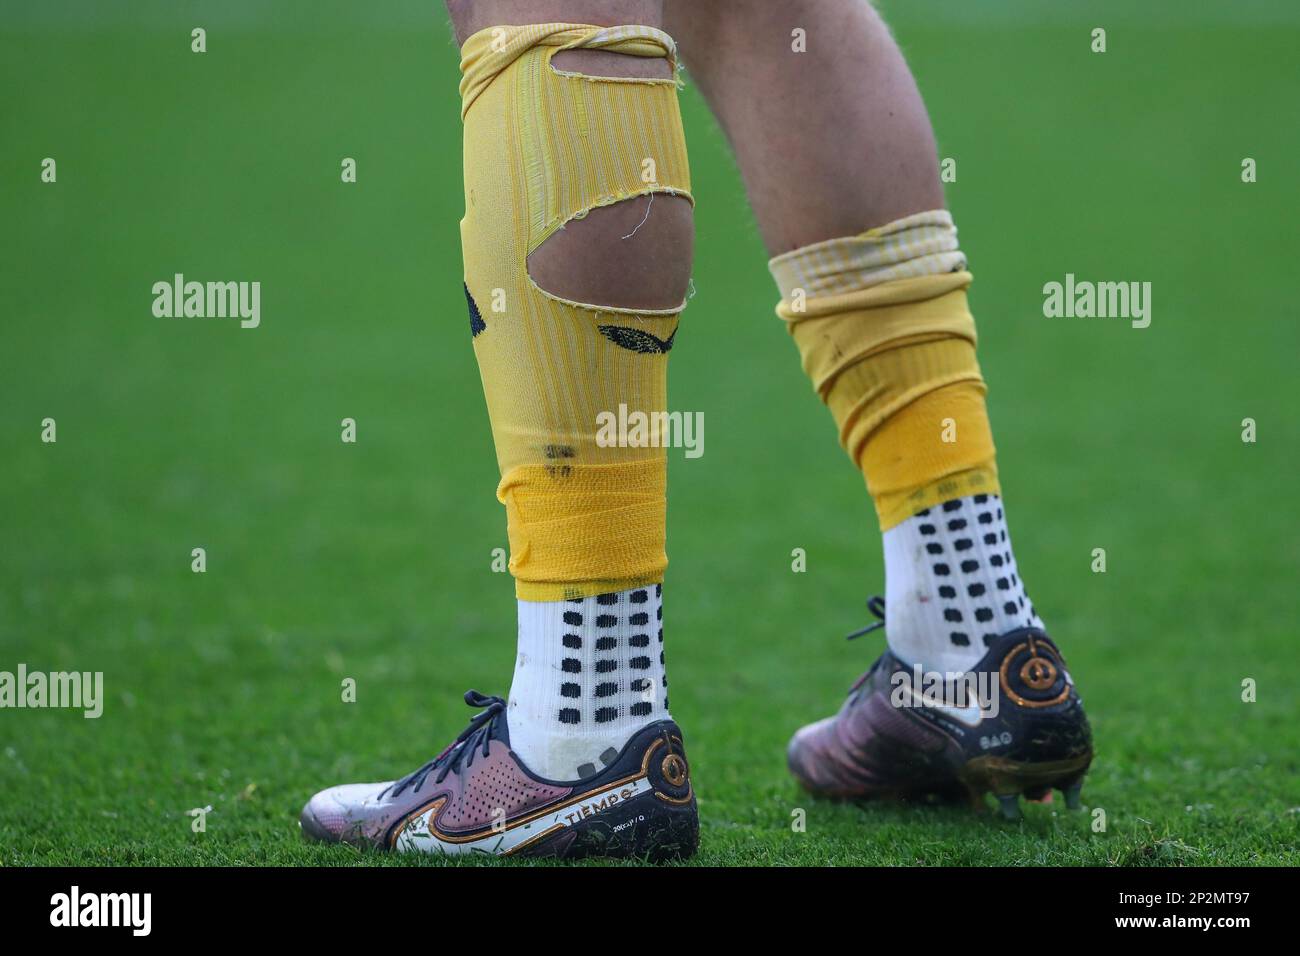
[{"x": 372, "y": 560}]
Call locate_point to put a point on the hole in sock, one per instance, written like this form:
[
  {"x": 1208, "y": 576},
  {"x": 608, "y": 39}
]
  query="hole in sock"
[
  {"x": 634, "y": 254},
  {"x": 604, "y": 63}
]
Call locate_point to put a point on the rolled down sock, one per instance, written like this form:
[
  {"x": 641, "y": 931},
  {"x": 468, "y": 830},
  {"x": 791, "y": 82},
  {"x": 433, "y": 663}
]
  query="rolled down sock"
[{"x": 883, "y": 327}]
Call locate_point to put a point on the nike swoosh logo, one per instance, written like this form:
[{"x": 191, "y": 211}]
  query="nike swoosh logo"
[
  {"x": 419, "y": 830},
  {"x": 970, "y": 715},
  {"x": 634, "y": 340}
]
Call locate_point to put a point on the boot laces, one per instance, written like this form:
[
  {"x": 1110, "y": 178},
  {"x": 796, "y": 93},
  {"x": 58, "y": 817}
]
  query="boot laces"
[{"x": 474, "y": 739}]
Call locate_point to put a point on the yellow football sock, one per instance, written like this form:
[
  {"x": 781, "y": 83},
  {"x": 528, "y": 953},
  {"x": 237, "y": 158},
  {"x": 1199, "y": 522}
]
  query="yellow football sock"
[
  {"x": 882, "y": 324},
  {"x": 544, "y": 147}
]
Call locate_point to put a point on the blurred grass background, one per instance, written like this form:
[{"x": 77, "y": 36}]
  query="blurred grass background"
[{"x": 372, "y": 561}]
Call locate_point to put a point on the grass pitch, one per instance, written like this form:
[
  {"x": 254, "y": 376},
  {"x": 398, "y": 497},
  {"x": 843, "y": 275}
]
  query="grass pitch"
[{"x": 373, "y": 561}]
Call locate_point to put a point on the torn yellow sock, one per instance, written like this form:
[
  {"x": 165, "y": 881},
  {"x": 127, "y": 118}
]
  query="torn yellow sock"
[{"x": 544, "y": 147}]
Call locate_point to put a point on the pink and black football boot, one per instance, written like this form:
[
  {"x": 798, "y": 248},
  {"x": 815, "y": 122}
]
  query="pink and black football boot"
[
  {"x": 478, "y": 797},
  {"x": 1012, "y": 725}
]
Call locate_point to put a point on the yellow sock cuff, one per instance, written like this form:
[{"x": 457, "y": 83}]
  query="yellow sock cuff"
[
  {"x": 544, "y": 147},
  {"x": 836, "y": 332},
  {"x": 924, "y": 244}
]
